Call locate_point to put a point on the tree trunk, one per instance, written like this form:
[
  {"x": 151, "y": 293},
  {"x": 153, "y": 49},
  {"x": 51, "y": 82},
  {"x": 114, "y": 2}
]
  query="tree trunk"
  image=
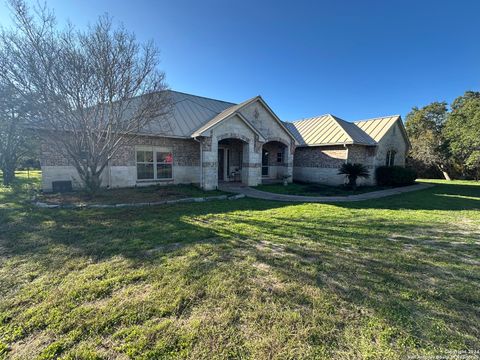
[
  {"x": 444, "y": 172},
  {"x": 445, "y": 175},
  {"x": 8, "y": 175},
  {"x": 93, "y": 183}
]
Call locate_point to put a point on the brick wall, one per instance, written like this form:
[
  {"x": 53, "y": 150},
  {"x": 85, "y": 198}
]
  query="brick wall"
[
  {"x": 122, "y": 172},
  {"x": 320, "y": 156},
  {"x": 186, "y": 152}
]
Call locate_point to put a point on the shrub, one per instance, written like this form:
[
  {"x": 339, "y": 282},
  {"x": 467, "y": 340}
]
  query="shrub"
[
  {"x": 353, "y": 171},
  {"x": 395, "y": 175}
]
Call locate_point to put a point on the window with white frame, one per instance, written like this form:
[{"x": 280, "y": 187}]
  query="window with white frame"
[
  {"x": 390, "y": 160},
  {"x": 154, "y": 164}
]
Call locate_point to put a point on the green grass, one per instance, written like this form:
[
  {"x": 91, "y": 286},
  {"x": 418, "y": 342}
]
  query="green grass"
[
  {"x": 306, "y": 189},
  {"x": 381, "y": 279}
]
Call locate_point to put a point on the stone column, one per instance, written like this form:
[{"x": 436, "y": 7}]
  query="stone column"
[
  {"x": 254, "y": 163},
  {"x": 209, "y": 163},
  {"x": 290, "y": 150}
]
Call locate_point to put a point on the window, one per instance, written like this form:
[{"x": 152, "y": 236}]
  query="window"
[
  {"x": 164, "y": 165},
  {"x": 280, "y": 157},
  {"x": 145, "y": 165},
  {"x": 154, "y": 165},
  {"x": 390, "y": 160}
]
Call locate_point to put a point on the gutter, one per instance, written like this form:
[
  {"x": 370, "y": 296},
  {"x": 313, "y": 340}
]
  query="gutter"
[{"x": 201, "y": 161}]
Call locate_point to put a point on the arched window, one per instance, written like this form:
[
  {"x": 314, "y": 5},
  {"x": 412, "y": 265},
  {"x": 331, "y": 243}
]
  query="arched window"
[{"x": 390, "y": 160}]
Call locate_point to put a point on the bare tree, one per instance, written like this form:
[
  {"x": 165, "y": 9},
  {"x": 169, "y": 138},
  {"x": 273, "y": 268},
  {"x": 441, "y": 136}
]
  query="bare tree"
[
  {"x": 14, "y": 140},
  {"x": 95, "y": 90}
]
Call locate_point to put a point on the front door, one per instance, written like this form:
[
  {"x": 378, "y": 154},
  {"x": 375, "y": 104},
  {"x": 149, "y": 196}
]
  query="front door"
[
  {"x": 221, "y": 164},
  {"x": 264, "y": 162}
]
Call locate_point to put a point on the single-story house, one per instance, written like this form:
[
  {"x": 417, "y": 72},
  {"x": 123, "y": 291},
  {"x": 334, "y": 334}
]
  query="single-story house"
[{"x": 206, "y": 141}]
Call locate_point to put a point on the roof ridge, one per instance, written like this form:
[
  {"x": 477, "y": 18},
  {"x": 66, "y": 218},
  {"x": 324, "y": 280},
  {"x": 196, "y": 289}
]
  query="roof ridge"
[
  {"x": 310, "y": 118},
  {"x": 339, "y": 122},
  {"x": 203, "y": 97},
  {"x": 205, "y": 107},
  {"x": 377, "y": 118}
]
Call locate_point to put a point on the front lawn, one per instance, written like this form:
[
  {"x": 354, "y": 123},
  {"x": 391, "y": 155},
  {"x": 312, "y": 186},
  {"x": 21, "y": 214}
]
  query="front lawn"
[
  {"x": 381, "y": 279},
  {"x": 129, "y": 195},
  {"x": 306, "y": 189}
]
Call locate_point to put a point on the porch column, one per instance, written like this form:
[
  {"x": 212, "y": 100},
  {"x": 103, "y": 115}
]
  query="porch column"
[
  {"x": 252, "y": 163},
  {"x": 209, "y": 166},
  {"x": 290, "y": 150}
]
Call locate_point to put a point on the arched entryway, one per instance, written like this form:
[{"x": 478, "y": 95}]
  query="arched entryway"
[
  {"x": 232, "y": 155},
  {"x": 275, "y": 161}
]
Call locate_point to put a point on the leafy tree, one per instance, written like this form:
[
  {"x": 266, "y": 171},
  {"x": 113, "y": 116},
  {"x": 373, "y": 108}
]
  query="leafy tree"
[
  {"x": 462, "y": 129},
  {"x": 94, "y": 89},
  {"x": 425, "y": 130},
  {"x": 353, "y": 172}
]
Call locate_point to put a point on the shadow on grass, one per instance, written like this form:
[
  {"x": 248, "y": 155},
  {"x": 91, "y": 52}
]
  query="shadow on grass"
[
  {"x": 417, "y": 273},
  {"x": 440, "y": 197}
]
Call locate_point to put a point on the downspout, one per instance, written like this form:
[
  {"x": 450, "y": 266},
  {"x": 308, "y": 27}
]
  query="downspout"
[
  {"x": 201, "y": 161},
  {"x": 346, "y": 147}
]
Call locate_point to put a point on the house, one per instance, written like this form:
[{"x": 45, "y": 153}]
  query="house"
[
  {"x": 202, "y": 141},
  {"x": 325, "y": 142},
  {"x": 207, "y": 141}
]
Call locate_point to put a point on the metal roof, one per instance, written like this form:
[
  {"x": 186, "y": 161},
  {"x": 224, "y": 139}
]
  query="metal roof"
[
  {"x": 192, "y": 115},
  {"x": 328, "y": 130},
  {"x": 189, "y": 113},
  {"x": 377, "y": 127}
]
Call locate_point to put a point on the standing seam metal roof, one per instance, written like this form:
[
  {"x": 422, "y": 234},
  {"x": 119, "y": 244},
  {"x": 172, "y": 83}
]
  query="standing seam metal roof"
[
  {"x": 376, "y": 128},
  {"x": 189, "y": 113},
  {"x": 328, "y": 130},
  {"x": 193, "y": 114}
]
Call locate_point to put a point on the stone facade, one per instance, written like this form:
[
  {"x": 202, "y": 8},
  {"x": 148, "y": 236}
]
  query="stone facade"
[
  {"x": 277, "y": 164},
  {"x": 394, "y": 140},
  {"x": 232, "y": 128}
]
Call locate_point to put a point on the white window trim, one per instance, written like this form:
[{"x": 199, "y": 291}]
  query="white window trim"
[{"x": 154, "y": 149}]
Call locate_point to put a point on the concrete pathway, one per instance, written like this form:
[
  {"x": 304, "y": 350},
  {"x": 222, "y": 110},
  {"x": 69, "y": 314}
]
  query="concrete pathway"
[{"x": 254, "y": 193}]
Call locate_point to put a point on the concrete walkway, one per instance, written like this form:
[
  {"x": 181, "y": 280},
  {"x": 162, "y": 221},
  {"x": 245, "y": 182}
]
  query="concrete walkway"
[{"x": 254, "y": 193}]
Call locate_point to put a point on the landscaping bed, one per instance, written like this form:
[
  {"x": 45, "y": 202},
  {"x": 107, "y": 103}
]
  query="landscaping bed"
[
  {"x": 311, "y": 189},
  {"x": 148, "y": 194}
]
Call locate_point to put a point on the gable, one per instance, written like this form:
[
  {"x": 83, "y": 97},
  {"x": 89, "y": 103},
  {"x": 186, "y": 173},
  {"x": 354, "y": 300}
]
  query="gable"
[
  {"x": 395, "y": 137},
  {"x": 382, "y": 128},
  {"x": 265, "y": 121},
  {"x": 234, "y": 124},
  {"x": 234, "y": 121}
]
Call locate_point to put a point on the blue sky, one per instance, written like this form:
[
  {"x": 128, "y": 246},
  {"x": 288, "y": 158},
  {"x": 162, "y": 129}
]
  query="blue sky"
[{"x": 354, "y": 59}]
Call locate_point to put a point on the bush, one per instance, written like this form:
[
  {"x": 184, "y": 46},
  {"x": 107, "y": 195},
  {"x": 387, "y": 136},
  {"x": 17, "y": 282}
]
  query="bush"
[{"x": 395, "y": 175}]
